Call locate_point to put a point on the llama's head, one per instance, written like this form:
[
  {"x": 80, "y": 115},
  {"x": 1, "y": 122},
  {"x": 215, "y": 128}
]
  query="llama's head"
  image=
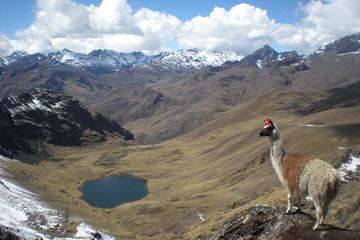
[{"x": 269, "y": 130}]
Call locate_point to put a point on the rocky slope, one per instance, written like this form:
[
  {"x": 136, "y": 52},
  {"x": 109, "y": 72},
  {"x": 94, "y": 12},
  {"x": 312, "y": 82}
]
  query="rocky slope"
[
  {"x": 7, "y": 234},
  {"x": 128, "y": 103},
  {"x": 55, "y": 118},
  {"x": 267, "y": 223}
]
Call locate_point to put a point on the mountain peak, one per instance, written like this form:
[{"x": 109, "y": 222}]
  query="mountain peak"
[
  {"x": 99, "y": 52},
  {"x": 66, "y": 50},
  {"x": 265, "y": 52},
  {"x": 267, "y": 56},
  {"x": 347, "y": 44}
]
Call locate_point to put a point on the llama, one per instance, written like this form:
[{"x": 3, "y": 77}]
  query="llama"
[{"x": 301, "y": 175}]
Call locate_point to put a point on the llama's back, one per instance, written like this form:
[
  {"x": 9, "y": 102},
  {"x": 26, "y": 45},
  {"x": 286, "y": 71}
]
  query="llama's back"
[{"x": 319, "y": 180}]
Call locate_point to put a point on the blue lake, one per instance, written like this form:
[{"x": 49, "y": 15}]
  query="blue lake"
[{"x": 112, "y": 191}]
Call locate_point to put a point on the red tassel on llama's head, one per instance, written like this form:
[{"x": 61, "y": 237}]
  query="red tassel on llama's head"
[
  {"x": 268, "y": 128},
  {"x": 268, "y": 123}
]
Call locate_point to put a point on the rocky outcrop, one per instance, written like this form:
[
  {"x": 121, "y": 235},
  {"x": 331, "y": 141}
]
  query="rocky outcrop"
[
  {"x": 51, "y": 117},
  {"x": 267, "y": 223},
  {"x": 7, "y": 234}
]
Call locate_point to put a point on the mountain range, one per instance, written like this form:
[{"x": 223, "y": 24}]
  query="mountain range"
[
  {"x": 196, "y": 136},
  {"x": 112, "y": 60},
  {"x": 145, "y": 93}
]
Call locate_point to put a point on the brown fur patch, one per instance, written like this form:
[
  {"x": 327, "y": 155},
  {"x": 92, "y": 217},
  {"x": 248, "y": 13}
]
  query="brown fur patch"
[{"x": 292, "y": 167}]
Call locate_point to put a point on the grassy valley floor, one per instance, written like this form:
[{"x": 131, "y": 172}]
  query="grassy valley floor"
[{"x": 217, "y": 170}]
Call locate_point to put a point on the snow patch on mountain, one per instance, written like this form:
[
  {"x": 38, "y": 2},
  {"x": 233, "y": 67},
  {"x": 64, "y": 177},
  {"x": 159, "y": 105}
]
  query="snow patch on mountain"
[
  {"x": 349, "y": 53},
  {"x": 259, "y": 64},
  {"x": 196, "y": 58},
  {"x": 350, "y": 169},
  {"x": 85, "y": 231},
  {"x": 34, "y": 104},
  {"x": 12, "y": 58}
]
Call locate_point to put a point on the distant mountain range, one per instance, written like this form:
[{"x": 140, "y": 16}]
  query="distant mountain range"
[
  {"x": 182, "y": 59},
  {"x": 191, "y": 58},
  {"x": 163, "y": 96}
]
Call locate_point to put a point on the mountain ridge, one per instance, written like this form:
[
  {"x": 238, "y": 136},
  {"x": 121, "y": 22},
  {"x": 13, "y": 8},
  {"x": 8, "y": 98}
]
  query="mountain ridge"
[
  {"x": 54, "y": 118},
  {"x": 170, "y": 102},
  {"x": 190, "y": 58}
]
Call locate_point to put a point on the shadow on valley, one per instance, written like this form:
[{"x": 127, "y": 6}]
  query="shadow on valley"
[{"x": 337, "y": 98}]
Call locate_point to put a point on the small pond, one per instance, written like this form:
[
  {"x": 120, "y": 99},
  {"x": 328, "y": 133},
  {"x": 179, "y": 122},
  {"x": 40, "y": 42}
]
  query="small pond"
[{"x": 112, "y": 191}]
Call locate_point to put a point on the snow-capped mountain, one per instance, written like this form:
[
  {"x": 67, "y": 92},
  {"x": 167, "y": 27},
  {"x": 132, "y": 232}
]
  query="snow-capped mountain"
[
  {"x": 196, "y": 58},
  {"x": 344, "y": 46},
  {"x": 98, "y": 58},
  {"x": 12, "y": 58},
  {"x": 269, "y": 57},
  {"x": 192, "y": 58}
]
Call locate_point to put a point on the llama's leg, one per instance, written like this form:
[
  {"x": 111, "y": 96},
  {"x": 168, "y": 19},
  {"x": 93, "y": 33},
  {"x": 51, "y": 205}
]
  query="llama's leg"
[
  {"x": 325, "y": 211},
  {"x": 289, "y": 202},
  {"x": 297, "y": 201},
  {"x": 321, "y": 219},
  {"x": 319, "y": 214}
]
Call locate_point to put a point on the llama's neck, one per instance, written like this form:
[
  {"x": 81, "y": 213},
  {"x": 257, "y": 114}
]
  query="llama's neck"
[
  {"x": 277, "y": 151},
  {"x": 277, "y": 154}
]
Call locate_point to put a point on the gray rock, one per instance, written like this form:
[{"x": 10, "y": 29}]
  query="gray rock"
[{"x": 267, "y": 223}]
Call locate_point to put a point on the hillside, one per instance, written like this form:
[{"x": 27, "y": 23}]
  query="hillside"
[
  {"x": 215, "y": 90},
  {"x": 190, "y": 96},
  {"x": 39, "y": 116},
  {"x": 205, "y": 161},
  {"x": 215, "y": 170}
]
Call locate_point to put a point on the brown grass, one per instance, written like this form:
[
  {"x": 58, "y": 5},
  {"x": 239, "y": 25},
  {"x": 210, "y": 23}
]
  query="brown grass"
[{"x": 206, "y": 170}]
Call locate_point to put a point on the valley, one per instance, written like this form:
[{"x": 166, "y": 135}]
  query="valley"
[
  {"x": 208, "y": 170},
  {"x": 196, "y": 136}
]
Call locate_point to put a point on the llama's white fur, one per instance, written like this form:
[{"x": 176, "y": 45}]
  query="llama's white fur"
[{"x": 316, "y": 178}]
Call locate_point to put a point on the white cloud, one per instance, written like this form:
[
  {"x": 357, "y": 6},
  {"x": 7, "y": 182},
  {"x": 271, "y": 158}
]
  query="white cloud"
[
  {"x": 5, "y": 46},
  {"x": 62, "y": 24},
  {"x": 114, "y": 25},
  {"x": 243, "y": 27},
  {"x": 333, "y": 17},
  {"x": 323, "y": 22},
  {"x": 246, "y": 28}
]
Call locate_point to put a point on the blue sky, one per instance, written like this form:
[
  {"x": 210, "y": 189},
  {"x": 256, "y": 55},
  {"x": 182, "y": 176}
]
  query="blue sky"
[
  {"x": 280, "y": 10},
  {"x": 18, "y": 14},
  {"x": 152, "y": 26}
]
